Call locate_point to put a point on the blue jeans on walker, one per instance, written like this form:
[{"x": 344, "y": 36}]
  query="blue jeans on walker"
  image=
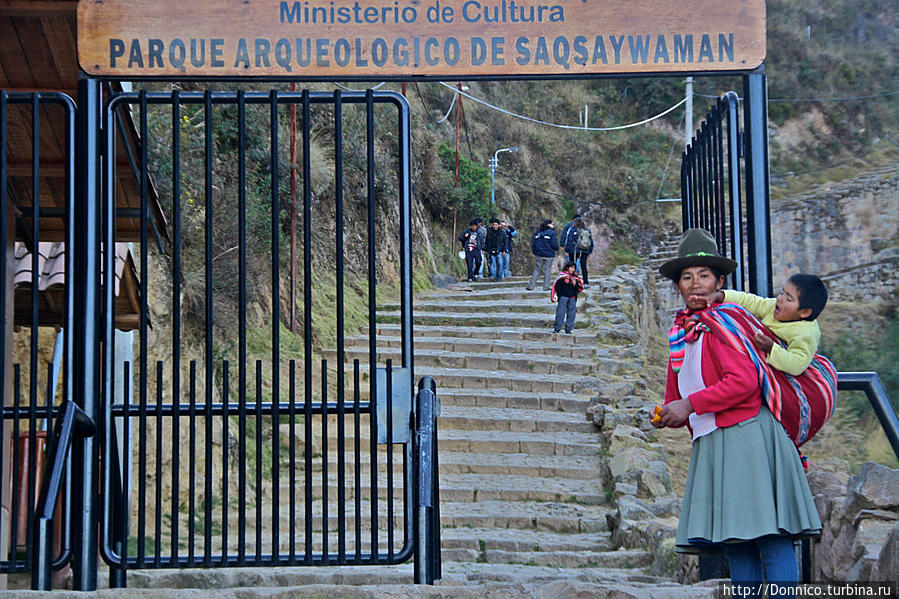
[
  {"x": 565, "y": 313},
  {"x": 770, "y": 558},
  {"x": 496, "y": 266},
  {"x": 504, "y": 261}
]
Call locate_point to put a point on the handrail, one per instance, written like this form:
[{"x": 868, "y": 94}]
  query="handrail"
[
  {"x": 428, "y": 566},
  {"x": 870, "y": 383},
  {"x": 72, "y": 422}
]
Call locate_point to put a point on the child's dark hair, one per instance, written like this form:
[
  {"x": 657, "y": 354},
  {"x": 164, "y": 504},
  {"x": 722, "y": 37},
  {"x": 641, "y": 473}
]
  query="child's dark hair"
[{"x": 812, "y": 293}]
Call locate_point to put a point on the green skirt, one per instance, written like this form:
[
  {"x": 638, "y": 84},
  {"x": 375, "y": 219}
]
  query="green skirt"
[{"x": 745, "y": 481}]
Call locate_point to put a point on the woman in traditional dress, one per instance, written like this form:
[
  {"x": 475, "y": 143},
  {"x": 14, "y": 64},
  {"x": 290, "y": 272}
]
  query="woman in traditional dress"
[{"x": 746, "y": 492}]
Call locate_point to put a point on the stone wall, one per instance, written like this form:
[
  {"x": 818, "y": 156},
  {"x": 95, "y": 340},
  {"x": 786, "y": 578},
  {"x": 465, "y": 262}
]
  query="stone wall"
[{"x": 847, "y": 233}]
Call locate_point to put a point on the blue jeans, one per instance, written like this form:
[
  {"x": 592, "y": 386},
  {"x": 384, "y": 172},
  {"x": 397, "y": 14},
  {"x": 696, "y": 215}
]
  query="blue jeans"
[
  {"x": 769, "y": 558},
  {"x": 565, "y": 313},
  {"x": 496, "y": 266},
  {"x": 504, "y": 261}
]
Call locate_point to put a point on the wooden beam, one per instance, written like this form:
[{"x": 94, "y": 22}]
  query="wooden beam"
[
  {"x": 39, "y": 8},
  {"x": 47, "y": 169},
  {"x": 72, "y": 93}
]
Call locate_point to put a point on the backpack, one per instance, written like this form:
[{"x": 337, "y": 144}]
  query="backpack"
[{"x": 583, "y": 238}]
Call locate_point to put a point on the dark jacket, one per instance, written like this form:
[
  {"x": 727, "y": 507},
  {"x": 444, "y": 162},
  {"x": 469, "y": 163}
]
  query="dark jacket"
[
  {"x": 571, "y": 245},
  {"x": 566, "y": 285},
  {"x": 510, "y": 233},
  {"x": 496, "y": 241},
  {"x": 545, "y": 243},
  {"x": 464, "y": 237}
]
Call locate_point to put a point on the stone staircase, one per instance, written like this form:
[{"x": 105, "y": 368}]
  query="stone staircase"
[{"x": 527, "y": 496}]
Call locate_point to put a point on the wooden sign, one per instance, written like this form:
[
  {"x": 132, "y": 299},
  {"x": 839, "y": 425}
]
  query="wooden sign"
[{"x": 452, "y": 39}]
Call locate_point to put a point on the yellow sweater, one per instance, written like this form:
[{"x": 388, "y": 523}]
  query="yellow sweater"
[{"x": 801, "y": 336}]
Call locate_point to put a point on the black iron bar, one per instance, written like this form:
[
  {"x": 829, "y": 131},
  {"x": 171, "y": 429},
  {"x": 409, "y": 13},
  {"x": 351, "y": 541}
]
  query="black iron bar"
[
  {"x": 209, "y": 357},
  {"x": 292, "y": 419},
  {"x": 733, "y": 177},
  {"x": 4, "y": 222},
  {"x": 404, "y": 141},
  {"x": 372, "y": 317},
  {"x": 719, "y": 180},
  {"x": 325, "y": 498},
  {"x": 257, "y": 465},
  {"x": 126, "y": 462},
  {"x": 276, "y": 320},
  {"x": 218, "y": 409},
  {"x": 341, "y": 349},
  {"x": 357, "y": 460},
  {"x": 226, "y": 442},
  {"x": 16, "y": 464},
  {"x": 158, "y": 482},
  {"x": 144, "y": 289},
  {"x": 307, "y": 322},
  {"x": 192, "y": 463},
  {"x": 242, "y": 325},
  {"x": 176, "y": 315},
  {"x": 388, "y": 394},
  {"x": 35, "y": 286}
]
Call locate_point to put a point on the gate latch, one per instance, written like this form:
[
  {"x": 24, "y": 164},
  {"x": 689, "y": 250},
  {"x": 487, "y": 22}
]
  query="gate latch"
[{"x": 401, "y": 404}]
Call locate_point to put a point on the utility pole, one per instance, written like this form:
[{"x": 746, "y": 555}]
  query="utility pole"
[{"x": 688, "y": 108}]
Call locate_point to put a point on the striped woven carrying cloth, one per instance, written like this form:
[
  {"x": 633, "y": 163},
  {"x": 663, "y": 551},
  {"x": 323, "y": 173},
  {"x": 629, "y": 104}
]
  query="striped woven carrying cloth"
[{"x": 802, "y": 404}]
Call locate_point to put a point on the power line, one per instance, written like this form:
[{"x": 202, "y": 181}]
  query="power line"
[
  {"x": 546, "y": 191},
  {"x": 834, "y": 99},
  {"x": 573, "y": 127}
]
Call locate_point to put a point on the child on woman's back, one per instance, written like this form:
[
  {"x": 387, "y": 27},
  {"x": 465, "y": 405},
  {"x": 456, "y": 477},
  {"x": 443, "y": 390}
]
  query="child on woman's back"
[{"x": 791, "y": 316}]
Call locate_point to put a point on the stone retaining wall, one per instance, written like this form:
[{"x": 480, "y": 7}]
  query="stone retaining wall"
[{"x": 845, "y": 233}]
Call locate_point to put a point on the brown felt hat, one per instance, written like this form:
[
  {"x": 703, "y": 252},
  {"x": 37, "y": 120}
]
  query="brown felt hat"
[{"x": 697, "y": 248}]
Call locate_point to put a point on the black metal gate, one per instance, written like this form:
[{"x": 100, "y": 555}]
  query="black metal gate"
[
  {"x": 724, "y": 183},
  {"x": 230, "y": 440},
  {"x": 36, "y": 198}
]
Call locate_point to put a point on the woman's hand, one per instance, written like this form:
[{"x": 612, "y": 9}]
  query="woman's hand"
[
  {"x": 675, "y": 413},
  {"x": 715, "y": 297}
]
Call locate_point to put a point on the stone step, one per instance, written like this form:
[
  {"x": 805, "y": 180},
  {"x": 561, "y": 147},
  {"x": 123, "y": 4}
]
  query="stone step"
[
  {"x": 498, "y": 442},
  {"x": 459, "y": 487},
  {"x": 558, "y": 559},
  {"x": 514, "y": 331},
  {"x": 483, "y": 319},
  {"x": 536, "y": 363},
  {"x": 561, "y": 346},
  {"x": 477, "y": 488},
  {"x": 501, "y": 539},
  {"x": 521, "y": 515},
  {"x": 493, "y": 379},
  {"x": 499, "y": 293},
  {"x": 476, "y": 304},
  {"x": 461, "y": 580},
  {"x": 511, "y": 420},
  {"x": 520, "y": 464},
  {"x": 502, "y": 398}
]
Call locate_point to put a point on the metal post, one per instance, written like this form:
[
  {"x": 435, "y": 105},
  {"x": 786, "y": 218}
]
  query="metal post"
[
  {"x": 755, "y": 98},
  {"x": 493, "y": 180},
  {"x": 688, "y": 112},
  {"x": 733, "y": 178},
  {"x": 86, "y": 334}
]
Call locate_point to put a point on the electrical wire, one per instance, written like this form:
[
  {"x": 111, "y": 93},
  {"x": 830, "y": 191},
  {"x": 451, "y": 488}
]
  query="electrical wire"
[
  {"x": 836, "y": 99},
  {"x": 520, "y": 182},
  {"x": 428, "y": 110},
  {"x": 574, "y": 127},
  {"x": 350, "y": 89}
]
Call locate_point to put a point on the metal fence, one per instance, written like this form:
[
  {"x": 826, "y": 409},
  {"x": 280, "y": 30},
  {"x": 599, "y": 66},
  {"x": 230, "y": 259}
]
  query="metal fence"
[
  {"x": 36, "y": 195},
  {"x": 229, "y": 434},
  {"x": 261, "y": 453},
  {"x": 711, "y": 187}
]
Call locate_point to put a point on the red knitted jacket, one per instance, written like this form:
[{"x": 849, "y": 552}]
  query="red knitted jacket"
[{"x": 732, "y": 390}]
